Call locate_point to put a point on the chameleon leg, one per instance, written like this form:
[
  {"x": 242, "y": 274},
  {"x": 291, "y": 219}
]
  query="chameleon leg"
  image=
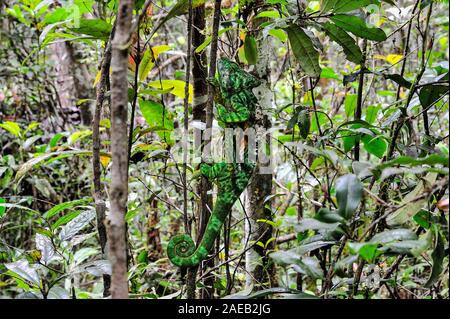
[{"x": 244, "y": 175}]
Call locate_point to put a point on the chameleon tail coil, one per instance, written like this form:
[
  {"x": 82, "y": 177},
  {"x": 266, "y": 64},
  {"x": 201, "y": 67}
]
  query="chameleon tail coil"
[
  {"x": 182, "y": 252},
  {"x": 181, "y": 249}
]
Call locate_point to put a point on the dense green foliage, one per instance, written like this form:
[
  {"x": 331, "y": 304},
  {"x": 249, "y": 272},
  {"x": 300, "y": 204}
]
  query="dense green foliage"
[{"x": 356, "y": 93}]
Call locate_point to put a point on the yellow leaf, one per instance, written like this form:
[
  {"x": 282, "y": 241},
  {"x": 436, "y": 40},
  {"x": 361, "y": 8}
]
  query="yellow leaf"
[
  {"x": 379, "y": 22},
  {"x": 390, "y": 58},
  {"x": 78, "y": 135},
  {"x": 97, "y": 78},
  {"x": 105, "y": 160},
  {"x": 157, "y": 50},
  {"x": 176, "y": 87},
  {"x": 307, "y": 98},
  {"x": 403, "y": 94},
  {"x": 11, "y": 127},
  {"x": 241, "y": 53},
  {"x": 149, "y": 59},
  {"x": 379, "y": 57},
  {"x": 394, "y": 58}
]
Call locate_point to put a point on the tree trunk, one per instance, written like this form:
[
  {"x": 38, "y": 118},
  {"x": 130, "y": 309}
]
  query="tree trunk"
[
  {"x": 73, "y": 82},
  {"x": 202, "y": 111},
  {"x": 119, "y": 147},
  {"x": 259, "y": 269},
  {"x": 200, "y": 74}
]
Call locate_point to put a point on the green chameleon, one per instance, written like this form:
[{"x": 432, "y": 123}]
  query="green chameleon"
[{"x": 231, "y": 178}]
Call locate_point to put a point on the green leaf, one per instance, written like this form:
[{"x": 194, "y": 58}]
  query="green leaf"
[
  {"x": 326, "y": 216},
  {"x": 303, "y": 48},
  {"x": 350, "y": 5},
  {"x": 313, "y": 224},
  {"x": 306, "y": 247},
  {"x": 358, "y": 27},
  {"x": 155, "y": 92},
  {"x": 250, "y": 49},
  {"x": 2, "y": 208},
  {"x": 393, "y": 235},
  {"x": 305, "y": 265},
  {"x": 284, "y": 257},
  {"x": 55, "y": 139},
  {"x": 23, "y": 269},
  {"x": 406, "y": 247},
  {"x": 310, "y": 267},
  {"x": 175, "y": 87},
  {"x": 6, "y": 173},
  {"x": 344, "y": 5},
  {"x": 429, "y": 94},
  {"x": 349, "y": 192},
  {"x": 433, "y": 159},
  {"x": 400, "y": 80},
  {"x": 320, "y": 118},
  {"x": 290, "y": 293},
  {"x": 372, "y": 113},
  {"x": 76, "y": 225},
  {"x": 438, "y": 256},
  {"x": 268, "y": 14},
  {"x": 348, "y": 44},
  {"x": 65, "y": 219},
  {"x": 327, "y": 5},
  {"x": 374, "y": 145},
  {"x": 10, "y": 205},
  {"x": 96, "y": 28},
  {"x": 69, "y": 12},
  {"x": 369, "y": 252},
  {"x": 60, "y": 207},
  {"x": 149, "y": 59},
  {"x": 45, "y": 246},
  {"x": 304, "y": 123},
  {"x": 423, "y": 218},
  {"x": 78, "y": 135},
  {"x": 83, "y": 254},
  {"x": 350, "y": 104},
  {"x": 349, "y": 141},
  {"x": 157, "y": 118},
  {"x": 279, "y": 34},
  {"x": 11, "y": 127},
  {"x": 353, "y": 133},
  {"x": 155, "y": 115},
  {"x": 292, "y": 121},
  {"x": 410, "y": 205},
  {"x": 328, "y": 73},
  {"x": 17, "y": 13},
  {"x": 59, "y": 14}
]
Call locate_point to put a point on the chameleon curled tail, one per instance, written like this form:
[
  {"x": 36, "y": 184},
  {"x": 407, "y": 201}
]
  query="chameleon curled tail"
[{"x": 231, "y": 180}]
